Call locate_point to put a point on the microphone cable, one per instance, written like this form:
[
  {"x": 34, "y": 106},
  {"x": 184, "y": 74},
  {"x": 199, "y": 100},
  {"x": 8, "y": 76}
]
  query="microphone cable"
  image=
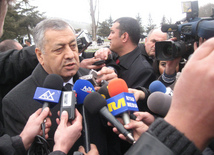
[{"x": 39, "y": 146}]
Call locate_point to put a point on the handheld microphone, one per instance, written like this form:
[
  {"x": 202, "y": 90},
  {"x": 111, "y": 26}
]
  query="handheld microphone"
[
  {"x": 91, "y": 77},
  {"x": 95, "y": 103},
  {"x": 82, "y": 89},
  {"x": 68, "y": 101},
  {"x": 103, "y": 91},
  {"x": 159, "y": 103},
  {"x": 160, "y": 87},
  {"x": 50, "y": 93},
  {"x": 121, "y": 102}
]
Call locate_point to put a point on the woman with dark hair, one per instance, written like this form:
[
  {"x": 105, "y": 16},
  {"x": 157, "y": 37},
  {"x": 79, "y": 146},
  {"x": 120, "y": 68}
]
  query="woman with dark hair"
[{"x": 159, "y": 66}]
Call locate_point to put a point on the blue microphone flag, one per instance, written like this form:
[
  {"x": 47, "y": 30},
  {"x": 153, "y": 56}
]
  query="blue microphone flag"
[
  {"x": 122, "y": 102},
  {"x": 47, "y": 95}
]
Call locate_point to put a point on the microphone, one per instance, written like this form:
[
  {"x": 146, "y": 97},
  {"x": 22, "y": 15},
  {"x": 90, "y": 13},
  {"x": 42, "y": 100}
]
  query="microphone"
[
  {"x": 91, "y": 77},
  {"x": 68, "y": 101},
  {"x": 121, "y": 102},
  {"x": 50, "y": 93},
  {"x": 159, "y": 103},
  {"x": 103, "y": 91},
  {"x": 159, "y": 86},
  {"x": 82, "y": 89},
  {"x": 95, "y": 103}
]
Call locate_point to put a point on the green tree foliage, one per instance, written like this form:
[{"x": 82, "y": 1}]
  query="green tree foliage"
[
  {"x": 164, "y": 21},
  {"x": 20, "y": 20},
  {"x": 139, "y": 19},
  {"x": 110, "y": 21},
  {"x": 104, "y": 27},
  {"x": 206, "y": 10},
  {"x": 150, "y": 24}
]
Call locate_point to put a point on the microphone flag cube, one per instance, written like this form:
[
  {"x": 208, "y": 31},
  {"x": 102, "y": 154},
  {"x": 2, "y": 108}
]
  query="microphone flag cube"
[
  {"x": 121, "y": 103},
  {"x": 47, "y": 95}
]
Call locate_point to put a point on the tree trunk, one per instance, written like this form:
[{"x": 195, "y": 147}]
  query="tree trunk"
[{"x": 92, "y": 13}]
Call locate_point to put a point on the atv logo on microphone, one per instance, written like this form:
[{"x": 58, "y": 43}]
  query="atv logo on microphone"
[
  {"x": 121, "y": 103},
  {"x": 87, "y": 89},
  {"x": 47, "y": 95}
]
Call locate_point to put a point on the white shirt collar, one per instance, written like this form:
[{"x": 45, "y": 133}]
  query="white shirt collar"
[{"x": 71, "y": 81}]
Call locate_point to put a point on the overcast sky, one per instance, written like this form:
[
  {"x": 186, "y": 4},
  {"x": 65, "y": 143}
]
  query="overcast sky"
[{"x": 78, "y": 10}]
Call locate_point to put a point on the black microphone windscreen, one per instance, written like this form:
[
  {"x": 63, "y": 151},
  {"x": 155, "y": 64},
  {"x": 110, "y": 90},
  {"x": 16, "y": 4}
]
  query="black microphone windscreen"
[
  {"x": 104, "y": 91},
  {"x": 53, "y": 81},
  {"x": 94, "y": 102}
]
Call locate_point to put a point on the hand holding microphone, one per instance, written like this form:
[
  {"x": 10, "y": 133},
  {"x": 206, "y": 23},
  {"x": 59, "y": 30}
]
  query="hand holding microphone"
[
  {"x": 33, "y": 127},
  {"x": 50, "y": 93},
  {"x": 121, "y": 102},
  {"x": 137, "y": 128},
  {"x": 138, "y": 94},
  {"x": 67, "y": 133},
  {"x": 82, "y": 88},
  {"x": 95, "y": 103}
]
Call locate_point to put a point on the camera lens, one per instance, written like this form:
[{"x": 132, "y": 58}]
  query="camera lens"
[{"x": 167, "y": 50}]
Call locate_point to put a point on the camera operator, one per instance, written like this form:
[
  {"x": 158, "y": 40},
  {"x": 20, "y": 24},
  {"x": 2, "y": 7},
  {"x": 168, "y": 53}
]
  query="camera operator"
[
  {"x": 148, "y": 48},
  {"x": 170, "y": 74}
]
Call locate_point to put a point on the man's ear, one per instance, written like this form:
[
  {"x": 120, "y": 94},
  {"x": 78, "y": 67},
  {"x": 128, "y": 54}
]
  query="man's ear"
[
  {"x": 125, "y": 36},
  {"x": 145, "y": 39},
  {"x": 39, "y": 55}
]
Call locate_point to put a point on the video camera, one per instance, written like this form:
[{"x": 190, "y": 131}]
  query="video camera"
[
  {"x": 83, "y": 41},
  {"x": 186, "y": 34}
]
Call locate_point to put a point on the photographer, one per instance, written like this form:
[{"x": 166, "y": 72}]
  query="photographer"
[{"x": 171, "y": 74}]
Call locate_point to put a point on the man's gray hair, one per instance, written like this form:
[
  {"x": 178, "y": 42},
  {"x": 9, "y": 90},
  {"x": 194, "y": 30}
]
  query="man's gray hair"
[
  {"x": 151, "y": 31},
  {"x": 48, "y": 24}
]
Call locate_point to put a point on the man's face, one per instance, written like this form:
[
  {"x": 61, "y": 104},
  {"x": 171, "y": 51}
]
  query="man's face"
[
  {"x": 115, "y": 38},
  {"x": 157, "y": 35},
  {"x": 60, "y": 53}
]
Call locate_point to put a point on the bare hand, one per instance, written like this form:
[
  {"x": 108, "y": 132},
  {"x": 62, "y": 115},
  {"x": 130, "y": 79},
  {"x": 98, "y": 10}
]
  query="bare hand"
[
  {"x": 138, "y": 127},
  {"x": 193, "y": 97},
  {"x": 33, "y": 126},
  {"x": 146, "y": 117},
  {"x": 67, "y": 132},
  {"x": 138, "y": 94},
  {"x": 102, "y": 53},
  {"x": 201, "y": 40},
  {"x": 171, "y": 66},
  {"x": 88, "y": 63},
  {"x": 106, "y": 74},
  {"x": 93, "y": 151}
]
